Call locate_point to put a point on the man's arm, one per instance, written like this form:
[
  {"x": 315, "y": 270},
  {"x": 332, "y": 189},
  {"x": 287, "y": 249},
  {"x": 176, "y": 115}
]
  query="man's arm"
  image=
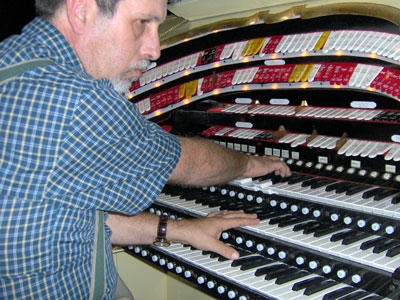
[
  {"x": 201, "y": 233},
  {"x": 203, "y": 162}
]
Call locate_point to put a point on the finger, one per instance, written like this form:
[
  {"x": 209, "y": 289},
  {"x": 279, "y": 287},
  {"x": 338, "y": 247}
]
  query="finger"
[
  {"x": 223, "y": 249},
  {"x": 228, "y": 223},
  {"x": 271, "y": 157},
  {"x": 214, "y": 213},
  {"x": 238, "y": 214}
]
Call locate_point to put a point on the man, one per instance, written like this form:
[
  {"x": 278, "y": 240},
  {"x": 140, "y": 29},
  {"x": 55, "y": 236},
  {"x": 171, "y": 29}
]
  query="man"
[{"x": 71, "y": 145}]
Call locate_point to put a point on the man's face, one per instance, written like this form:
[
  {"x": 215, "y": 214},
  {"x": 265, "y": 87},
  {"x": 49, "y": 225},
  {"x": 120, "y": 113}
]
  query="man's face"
[{"x": 123, "y": 46}]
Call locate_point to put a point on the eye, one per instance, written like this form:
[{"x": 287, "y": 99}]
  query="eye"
[
  {"x": 140, "y": 26},
  {"x": 144, "y": 21}
]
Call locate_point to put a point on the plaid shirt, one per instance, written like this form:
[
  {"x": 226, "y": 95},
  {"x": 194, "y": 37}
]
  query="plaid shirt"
[{"x": 69, "y": 145}]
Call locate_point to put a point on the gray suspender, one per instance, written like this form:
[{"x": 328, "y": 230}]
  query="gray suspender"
[
  {"x": 98, "y": 282},
  {"x": 9, "y": 72}
]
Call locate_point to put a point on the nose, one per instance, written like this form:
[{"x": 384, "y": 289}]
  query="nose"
[{"x": 151, "y": 46}]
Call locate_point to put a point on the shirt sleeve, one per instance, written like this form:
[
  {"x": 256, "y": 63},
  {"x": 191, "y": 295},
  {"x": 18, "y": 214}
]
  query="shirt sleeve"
[{"x": 111, "y": 158}]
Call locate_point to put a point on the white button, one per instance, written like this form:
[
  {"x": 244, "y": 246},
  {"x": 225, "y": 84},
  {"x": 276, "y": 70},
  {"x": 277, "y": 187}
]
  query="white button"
[
  {"x": 260, "y": 247},
  {"x": 376, "y": 226},
  {"x": 389, "y": 229},
  {"x": 300, "y": 260},
  {"x": 249, "y": 244},
  {"x": 356, "y": 278},
  {"x": 313, "y": 265},
  {"x": 361, "y": 223},
  {"x": 348, "y": 220},
  {"x": 326, "y": 269},
  {"x": 334, "y": 217},
  {"x": 188, "y": 274},
  {"x": 201, "y": 280},
  {"x": 232, "y": 294},
  {"x": 221, "y": 289}
]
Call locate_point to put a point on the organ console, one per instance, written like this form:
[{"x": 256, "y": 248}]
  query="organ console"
[{"x": 318, "y": 86}]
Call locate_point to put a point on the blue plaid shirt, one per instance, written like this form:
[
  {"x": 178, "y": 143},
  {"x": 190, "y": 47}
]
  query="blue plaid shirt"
[{"x": 69, "y": 145}]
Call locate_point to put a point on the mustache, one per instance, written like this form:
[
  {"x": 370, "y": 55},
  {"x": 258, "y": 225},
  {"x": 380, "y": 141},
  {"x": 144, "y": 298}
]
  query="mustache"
[{"x": 141, "y": 65}]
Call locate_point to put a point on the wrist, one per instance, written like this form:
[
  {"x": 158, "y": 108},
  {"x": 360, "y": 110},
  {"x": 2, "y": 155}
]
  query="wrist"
[{"x": 177, "y": 230}]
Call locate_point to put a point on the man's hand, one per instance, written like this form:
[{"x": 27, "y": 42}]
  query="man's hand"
[
  {"x": 261, "y": 165},
  {"x": 204, "y": 233}
]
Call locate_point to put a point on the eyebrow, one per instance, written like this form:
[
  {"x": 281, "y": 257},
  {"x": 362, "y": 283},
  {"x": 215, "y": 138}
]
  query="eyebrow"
[{"x": 152, "y": 17}]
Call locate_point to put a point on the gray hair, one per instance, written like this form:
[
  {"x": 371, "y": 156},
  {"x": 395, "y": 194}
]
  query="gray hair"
[{"x": 47, "y": 8}]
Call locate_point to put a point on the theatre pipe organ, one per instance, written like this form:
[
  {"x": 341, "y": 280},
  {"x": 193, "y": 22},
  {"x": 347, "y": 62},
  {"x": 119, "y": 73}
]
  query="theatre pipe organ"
[{"x": 318, "y": 87}]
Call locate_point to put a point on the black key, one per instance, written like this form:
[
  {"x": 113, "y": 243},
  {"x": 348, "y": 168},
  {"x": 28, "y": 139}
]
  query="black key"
[
  {"x": 270, "y": 215},
  {"x": 385, "y": 246},
  {"x": 221, "y": 259},
  {"x": 396, "y": 200},
  {"x": 333, "y": 186},
  {"x": 277, "y": 220},
  {"x": 264, "y": 270},
  {"x": 309, "y": 182},
  {"x": 242, "y": 260},
  {"x": 341, "y": 235},
  {"x": 371, "y": 243},
  {"x": 307, "y": 282},
  {"x": 355, "y": 296},
  {"x": 276, "y": 179},
  {"x": 298, "y": 179},
  {"x": 356, "y": 189},
  {"x": 276, "y": 273},
  {"x": 338, "y": 293},
  {"x": 312, "y": 228},
  {"x": 321, "y": 183},
  {"x": 292, "y": 221},
  {"x": 393, "y": 252},
  {"x": 254, "y": 210},
  {"x": 319, "y": 287},
  {"x": 384, "y": 194},
  {"x": 302, "y": 226},
  {"x": 325, "y": 231},
  {"x": 357, "y": 236},
  {"x": 372, "y": 192},
  {"x": 256, "y": 263},
  {"x": 375, "y": 297},
  {"x": 343, "y": 187},
  {"x": 291, "y": 276}
]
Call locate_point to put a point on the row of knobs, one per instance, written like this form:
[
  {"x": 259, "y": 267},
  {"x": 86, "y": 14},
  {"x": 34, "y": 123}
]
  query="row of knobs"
[
  {"x": 202, "y": 280},
  {"x": 301, "y": 261},
  {"x": 361, "y": 223}
]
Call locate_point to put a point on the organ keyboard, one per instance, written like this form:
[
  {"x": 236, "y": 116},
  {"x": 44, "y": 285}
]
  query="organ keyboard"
[{"x": 322, "y": 93}]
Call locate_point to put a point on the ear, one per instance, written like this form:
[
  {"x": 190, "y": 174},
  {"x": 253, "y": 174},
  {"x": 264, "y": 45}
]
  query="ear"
[{"x": 79, "y": 14}]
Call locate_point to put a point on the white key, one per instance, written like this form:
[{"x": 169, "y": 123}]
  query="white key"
[
  {"x": 238, "y": 49},
  {"x": 313, "y": 41},
  {"x": 332, "y": 39},
  {"x": 283, "y": 42}
]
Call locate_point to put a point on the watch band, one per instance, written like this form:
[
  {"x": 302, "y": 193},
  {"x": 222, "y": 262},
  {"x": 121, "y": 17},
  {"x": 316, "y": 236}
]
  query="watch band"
[{"x": 161, "y": 239}]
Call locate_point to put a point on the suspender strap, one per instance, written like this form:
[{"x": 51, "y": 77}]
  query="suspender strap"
[
  {"x": 8, "y": 72},
  {"x": 98, "y": 282}
]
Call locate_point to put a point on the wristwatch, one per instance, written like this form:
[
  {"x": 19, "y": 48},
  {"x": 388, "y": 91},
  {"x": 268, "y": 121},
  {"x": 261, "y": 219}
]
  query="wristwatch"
[{"x": 161, "y": 239}]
